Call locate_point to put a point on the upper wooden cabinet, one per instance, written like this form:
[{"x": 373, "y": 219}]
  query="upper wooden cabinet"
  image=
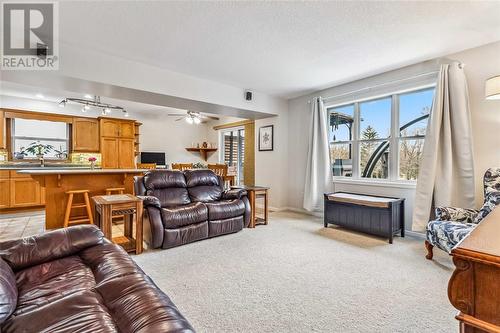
[
  {"x": 127, "y": 129},
  {"x": 2, "y": 130},
  {"x": 85, "y": 135},
  {"x": 117, "y": 128},
  {"x": 109, "y": 127}
]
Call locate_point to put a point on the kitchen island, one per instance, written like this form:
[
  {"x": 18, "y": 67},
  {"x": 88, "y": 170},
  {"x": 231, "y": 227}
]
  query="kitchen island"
[{"x": 57, "y": 182}]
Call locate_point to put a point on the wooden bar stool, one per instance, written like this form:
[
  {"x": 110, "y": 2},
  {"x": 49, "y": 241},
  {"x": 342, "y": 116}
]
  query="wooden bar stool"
[
  {"x": 70, "y": 206},
  {"x": 115, "y": 190}
]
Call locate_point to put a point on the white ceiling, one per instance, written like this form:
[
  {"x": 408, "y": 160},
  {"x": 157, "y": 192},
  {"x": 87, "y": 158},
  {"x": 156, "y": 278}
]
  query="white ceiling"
[{"x": 280, "y": 48}]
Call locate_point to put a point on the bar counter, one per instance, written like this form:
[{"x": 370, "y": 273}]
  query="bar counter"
[{"x": 57, "y": 181}]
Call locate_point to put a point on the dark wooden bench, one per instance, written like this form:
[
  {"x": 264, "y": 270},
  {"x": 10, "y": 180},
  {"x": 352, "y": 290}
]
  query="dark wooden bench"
[{"x": 380, "y": 216}]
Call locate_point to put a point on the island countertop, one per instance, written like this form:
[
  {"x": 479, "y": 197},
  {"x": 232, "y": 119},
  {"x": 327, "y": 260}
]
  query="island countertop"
[
  {"x": 76, "y": 171},
  {"x": 57, "y": 182}
]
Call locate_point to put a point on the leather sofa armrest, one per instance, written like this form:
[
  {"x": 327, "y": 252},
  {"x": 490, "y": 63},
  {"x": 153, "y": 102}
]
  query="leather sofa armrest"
[
  {"x": 34, "y": 250},
  {"x": 235, "y": 193},
  {"x": 150, "y": 201}
]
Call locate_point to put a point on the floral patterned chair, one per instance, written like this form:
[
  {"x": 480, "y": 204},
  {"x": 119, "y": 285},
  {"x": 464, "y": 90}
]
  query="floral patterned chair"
[{"x": 452, "y": 224}]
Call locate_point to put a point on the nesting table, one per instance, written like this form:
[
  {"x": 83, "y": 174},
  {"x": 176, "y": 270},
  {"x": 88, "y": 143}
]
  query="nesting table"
[{"x": 107, "y": 206}]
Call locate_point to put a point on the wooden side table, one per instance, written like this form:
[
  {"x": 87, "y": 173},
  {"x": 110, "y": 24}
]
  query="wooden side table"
[
  {"x": 107, "y": 206},
  {"x": 256, "y": 192}
]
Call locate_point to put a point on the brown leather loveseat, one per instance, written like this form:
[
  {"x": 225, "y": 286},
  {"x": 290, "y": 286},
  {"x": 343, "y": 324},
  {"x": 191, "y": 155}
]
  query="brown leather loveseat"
[
  {"x": 74, "y": 280},
  {"x": 186, "y": 206}
]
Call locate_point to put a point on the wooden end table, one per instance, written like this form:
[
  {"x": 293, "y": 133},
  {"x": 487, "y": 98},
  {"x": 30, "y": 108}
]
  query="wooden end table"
[
  {"x": 107, "y": 206},
  {"x": 256, "y": 192}
]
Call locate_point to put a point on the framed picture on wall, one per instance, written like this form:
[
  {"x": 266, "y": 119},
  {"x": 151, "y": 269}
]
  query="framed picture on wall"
[{"x": 266, "y": 138}]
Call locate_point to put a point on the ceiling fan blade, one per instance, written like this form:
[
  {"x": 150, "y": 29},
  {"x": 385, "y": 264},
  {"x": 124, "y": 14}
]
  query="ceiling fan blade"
[
  {"x": 176, "y": 115},
  {"x": 204, "y": 116},
  {"x": 179, "y": 119}
]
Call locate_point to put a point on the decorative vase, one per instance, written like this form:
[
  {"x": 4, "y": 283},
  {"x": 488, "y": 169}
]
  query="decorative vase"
[{"x": 92, "y": 165}]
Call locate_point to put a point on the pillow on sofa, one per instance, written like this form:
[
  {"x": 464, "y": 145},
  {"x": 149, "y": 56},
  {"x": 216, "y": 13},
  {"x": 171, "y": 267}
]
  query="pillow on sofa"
[
  {"x": 490, "y": 202},
  {"x": 8, "y": 291}
]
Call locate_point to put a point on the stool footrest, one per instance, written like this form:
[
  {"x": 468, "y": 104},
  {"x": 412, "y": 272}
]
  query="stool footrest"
[{"x": 79, "y": 206}]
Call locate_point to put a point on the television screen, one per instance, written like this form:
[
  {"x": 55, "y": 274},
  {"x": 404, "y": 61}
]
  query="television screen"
[{"x": 150, "y": 157}]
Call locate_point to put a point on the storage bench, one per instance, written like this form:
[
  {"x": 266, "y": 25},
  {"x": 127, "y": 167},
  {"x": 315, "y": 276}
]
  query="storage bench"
[{"x": 380, "y": 216}]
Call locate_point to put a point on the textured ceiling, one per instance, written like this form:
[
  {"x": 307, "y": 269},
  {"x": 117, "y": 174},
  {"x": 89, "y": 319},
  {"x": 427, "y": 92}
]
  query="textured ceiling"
[{"x": 281, "y": 48}]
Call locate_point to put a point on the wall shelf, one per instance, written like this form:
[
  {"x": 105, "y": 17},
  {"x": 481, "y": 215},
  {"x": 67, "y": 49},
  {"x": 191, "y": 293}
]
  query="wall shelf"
[{"x": 202, "y": 151}]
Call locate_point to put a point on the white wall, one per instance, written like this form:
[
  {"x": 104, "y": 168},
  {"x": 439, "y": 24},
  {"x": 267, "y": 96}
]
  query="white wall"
[{"x": 481, "y": 63}]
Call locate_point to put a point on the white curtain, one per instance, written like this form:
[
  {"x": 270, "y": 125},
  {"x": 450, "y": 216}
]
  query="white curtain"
[
  {"x": 446, "y": 176},
  {"x": 318, "y": 170}
]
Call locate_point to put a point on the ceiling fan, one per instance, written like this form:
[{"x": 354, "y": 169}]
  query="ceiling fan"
[{"x": 192, "y": 117}]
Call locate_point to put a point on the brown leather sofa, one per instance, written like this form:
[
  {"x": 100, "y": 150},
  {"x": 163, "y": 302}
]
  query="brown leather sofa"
[
  {"x": 186, "y": 206},
  {"x": 74, "y": 280}
]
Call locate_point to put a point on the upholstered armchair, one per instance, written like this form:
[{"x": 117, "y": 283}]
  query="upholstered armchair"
[{"x": 452, "y": 224}]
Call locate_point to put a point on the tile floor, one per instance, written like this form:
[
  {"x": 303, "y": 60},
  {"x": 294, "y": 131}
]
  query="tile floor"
[{"x": 24, "y": 225}]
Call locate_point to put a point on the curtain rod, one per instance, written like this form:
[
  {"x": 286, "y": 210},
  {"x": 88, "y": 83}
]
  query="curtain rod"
[{"x": 461, "y": 65}]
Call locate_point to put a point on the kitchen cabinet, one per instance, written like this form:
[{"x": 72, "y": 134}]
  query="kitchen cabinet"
[
  {"x": 4, "y": 189},
  {"x": 126, "y": 153},
  {"x": 24, "y": 192},
  {"x": 85, "y": 135},
  {"x": 109, "y": 127},
  {"x": 19, "y": 190},
  {"x": 117, "y": 128},
  {"x": 109, "y": 153},
  {"x": 117, "y": 143}
]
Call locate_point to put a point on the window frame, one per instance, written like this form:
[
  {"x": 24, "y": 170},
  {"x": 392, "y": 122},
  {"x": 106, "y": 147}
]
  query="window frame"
[
  {"x": 239, "y": 173},
  {"x": 13, "y": 138},
  {"x": 394, "y": 139}
]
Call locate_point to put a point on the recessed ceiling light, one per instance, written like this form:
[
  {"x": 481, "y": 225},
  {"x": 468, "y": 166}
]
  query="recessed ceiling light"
[
  {"x": 40, "y": 95},
  {"x": 88, "y": 96}
]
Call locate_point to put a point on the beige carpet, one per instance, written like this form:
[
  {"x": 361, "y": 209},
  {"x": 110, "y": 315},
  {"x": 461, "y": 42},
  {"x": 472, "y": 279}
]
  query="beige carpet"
[{"x": 296, "y": 276}]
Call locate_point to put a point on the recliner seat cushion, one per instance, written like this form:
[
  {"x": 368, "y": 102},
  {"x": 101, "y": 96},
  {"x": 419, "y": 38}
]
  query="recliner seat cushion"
[
  {"x": 203, "y": 185},
  {"x": 180, "y": 216},
  {"x": 168, "y": 186},
  {"x": 225, "y": 209}
]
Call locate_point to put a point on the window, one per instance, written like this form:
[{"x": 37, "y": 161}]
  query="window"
[
  {"x": 27, "y": 132},
  {"x": 363, "y": 136}
]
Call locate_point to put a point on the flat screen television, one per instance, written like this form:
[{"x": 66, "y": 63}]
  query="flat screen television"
[{"x": 151, "y": 157}]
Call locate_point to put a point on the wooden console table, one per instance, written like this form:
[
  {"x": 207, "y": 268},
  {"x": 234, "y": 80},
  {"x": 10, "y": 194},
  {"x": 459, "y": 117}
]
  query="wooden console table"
[
  {"x": 107, "y": 206},
  {"x": 255, "y": 192},
  {"x": 474, "y": 287}
]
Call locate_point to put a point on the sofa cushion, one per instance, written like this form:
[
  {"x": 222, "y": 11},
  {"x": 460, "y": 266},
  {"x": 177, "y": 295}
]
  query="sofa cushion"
[
  {"x": 8, "y": 291},
  {"x": 225, "y": 209},
  {"x": 79, "y": 312},
  {"x": 175, "y": 217},
  {"x": 168, "y": 186},
  {"x": 59, "y": 278},
  {"x": 184, "y": 235},
  {"x": 226, "y": 226},
  {"x": 203, "y": 185}
]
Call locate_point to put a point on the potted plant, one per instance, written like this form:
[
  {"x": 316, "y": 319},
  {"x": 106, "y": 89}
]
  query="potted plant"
[
  {"x": 39, "y": 149},
  {"x": 61, "y": 153},
  {"x": 20, "y": 155}
]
